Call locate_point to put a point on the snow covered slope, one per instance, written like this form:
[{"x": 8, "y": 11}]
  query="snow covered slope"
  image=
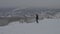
[{"x": 46, "y": 26}]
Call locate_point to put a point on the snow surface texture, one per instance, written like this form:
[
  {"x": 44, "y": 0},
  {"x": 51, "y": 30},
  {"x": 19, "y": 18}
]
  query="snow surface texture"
[
  {"x": 8, "y": 15},
  {"x": 46, "y": 26}
]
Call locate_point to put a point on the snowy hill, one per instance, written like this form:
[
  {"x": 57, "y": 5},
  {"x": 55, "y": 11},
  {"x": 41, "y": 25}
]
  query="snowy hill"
[{"x": 46, "y": 26}]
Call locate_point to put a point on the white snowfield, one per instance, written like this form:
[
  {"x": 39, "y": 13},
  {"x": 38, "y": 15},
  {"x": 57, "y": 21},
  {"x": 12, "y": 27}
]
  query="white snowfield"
[{"x": 46, "y": 26}]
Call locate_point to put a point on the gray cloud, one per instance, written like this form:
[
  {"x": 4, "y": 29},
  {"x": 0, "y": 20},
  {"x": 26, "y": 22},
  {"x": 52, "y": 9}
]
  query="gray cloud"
[{"x": 29, "y": 3}]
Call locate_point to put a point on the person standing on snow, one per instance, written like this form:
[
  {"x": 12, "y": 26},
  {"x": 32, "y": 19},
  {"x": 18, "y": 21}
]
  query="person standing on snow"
[{"x": 37, "y": 18}]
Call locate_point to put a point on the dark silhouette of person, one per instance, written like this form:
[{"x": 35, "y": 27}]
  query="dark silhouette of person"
[{"x": 37, "y": 18}]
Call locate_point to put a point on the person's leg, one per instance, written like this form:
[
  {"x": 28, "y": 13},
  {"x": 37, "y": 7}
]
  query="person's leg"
[{"x": 37, "y": 21}]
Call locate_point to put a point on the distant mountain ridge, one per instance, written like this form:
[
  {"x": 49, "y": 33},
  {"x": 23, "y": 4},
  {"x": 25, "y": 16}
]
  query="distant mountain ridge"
[{"x": 27, "y": 11}]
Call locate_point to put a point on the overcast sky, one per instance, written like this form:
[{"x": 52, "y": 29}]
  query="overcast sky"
[{"x": 30, "y": 3}]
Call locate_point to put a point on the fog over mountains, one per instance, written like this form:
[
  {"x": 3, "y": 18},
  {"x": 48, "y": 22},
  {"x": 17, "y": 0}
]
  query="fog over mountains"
[{"x": 28, "y": 12}]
